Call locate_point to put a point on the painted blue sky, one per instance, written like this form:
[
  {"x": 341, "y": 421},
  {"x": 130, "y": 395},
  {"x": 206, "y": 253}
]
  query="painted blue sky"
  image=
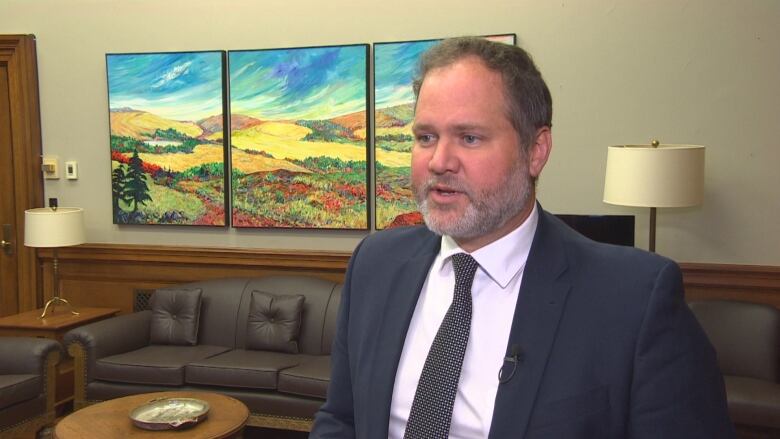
[
  {"x": 395, "y": 67},
  {"x": 301, "y": 83},
  {"x": 178, "y": 86}
]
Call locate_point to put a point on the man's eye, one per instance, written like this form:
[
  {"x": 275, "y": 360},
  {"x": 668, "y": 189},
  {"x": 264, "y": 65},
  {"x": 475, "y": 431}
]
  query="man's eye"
[
  {"x": 424, "y": 138},
  {"x": 470, "y": 139}
]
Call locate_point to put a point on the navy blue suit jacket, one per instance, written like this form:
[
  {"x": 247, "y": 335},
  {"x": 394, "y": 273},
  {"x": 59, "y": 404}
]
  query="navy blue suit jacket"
[{"x": 610, "y": 348}]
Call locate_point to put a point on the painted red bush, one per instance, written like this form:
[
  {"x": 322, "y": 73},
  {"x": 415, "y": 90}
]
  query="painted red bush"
[
  {"x": 148, "y": 168},
  {"x": 119, "y": 157},
  {"x": 407, "y": 219}
]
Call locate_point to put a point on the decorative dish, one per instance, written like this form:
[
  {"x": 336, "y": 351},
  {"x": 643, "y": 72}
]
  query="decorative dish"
[{"x": 169, "y": 413}]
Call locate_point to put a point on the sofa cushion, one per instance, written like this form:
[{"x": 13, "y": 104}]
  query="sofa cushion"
[
  {"x": 155, "y": 364},
  {"x": 17, "y": 388},
  {"x": 274, "y": 322},
  {"x": 310, "y": 378},
  {"x": 753, "y": 401},
  {"x": 240, "y": 368},
  {"x": 175, "y": 315}
]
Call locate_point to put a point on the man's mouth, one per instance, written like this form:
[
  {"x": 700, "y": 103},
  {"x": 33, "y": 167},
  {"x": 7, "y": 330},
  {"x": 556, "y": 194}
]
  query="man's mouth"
[{"x": 444, "y": 191}]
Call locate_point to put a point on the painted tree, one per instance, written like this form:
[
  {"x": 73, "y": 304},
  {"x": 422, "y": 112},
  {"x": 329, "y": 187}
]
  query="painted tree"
[
  {"x": 118, "y": 188},
  {"x": 136, "y": 188}
]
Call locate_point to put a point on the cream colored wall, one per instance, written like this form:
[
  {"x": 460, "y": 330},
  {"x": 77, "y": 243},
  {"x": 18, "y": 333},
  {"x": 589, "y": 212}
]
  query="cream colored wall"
[{"x": 700, "y": 71}]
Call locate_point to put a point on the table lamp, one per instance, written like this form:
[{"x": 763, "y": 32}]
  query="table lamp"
[
  {"x": 54, "y": 227},
  {"x": 654, "y": 176}
]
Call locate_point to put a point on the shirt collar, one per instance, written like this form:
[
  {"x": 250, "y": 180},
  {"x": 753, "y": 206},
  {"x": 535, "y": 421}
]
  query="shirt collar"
[{"x": 503, "y": 258}]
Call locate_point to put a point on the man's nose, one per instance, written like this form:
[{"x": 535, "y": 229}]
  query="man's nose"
[{"x": 444, "y": 158}]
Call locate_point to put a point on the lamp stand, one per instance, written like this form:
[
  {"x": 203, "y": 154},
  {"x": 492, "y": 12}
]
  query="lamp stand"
[
  {"x": 651, "y": 238},
  {"x": 56, "y": 300}
]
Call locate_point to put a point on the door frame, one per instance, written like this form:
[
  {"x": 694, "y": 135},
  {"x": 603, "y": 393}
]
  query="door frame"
[{"x": 18, "y": 54}]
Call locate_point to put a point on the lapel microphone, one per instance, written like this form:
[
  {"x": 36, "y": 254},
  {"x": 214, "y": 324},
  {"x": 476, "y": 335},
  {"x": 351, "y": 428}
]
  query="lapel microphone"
[{"x": 515, "y": 357}]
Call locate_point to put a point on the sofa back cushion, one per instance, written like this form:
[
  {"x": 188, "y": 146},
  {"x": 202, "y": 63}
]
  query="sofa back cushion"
[
  {"x": 223, "y": 306},
  {"x": 274, "y": 322},
  {"x": 745, "y": 335},
  {"x": 175, "y": 316}
]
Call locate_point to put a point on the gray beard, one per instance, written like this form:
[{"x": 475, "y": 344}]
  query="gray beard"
[{"x": 487, "y": 210}]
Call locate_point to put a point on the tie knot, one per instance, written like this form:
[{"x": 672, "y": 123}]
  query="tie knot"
[{"x": 465, "y": 267}]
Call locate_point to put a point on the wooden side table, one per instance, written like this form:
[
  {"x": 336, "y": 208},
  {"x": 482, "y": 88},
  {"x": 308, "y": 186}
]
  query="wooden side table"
[
  {"x": 226, "y": 418},
  {"x": 54, "y": 326}
]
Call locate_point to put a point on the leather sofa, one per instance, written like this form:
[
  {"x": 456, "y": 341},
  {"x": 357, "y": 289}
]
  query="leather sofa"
[
  {"x": 746, "y": 337},
  {"x": 27, "y": 384},
  {"x": 281, "y": 387}
]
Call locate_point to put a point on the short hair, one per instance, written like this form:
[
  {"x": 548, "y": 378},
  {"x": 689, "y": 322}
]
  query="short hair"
[{"x": 528, "y": 100}]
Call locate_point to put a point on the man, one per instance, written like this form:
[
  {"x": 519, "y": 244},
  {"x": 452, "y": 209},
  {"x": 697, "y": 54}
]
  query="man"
[{"x": 591, "y": 340}]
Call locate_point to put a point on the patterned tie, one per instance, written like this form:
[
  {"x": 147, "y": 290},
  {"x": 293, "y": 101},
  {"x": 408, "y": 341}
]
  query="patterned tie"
[{"x": 431, "y": 411}]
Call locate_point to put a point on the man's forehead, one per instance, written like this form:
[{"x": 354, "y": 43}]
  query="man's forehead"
[
  {"x": 468, "y": 79},
  {"x": 471, "y": 63}
]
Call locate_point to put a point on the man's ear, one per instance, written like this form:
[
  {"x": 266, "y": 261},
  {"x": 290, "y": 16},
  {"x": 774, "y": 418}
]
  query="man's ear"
[{"x": 539, "y": 151}]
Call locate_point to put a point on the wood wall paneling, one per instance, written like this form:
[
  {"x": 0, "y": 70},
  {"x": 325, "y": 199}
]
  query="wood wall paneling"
[
  {"x": 750, "y": 283},
  {"x": 106, "y": 275}
]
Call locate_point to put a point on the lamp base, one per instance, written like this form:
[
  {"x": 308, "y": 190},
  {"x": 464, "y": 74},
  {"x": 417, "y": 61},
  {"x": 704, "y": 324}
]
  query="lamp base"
[{"x": 53, "y": 302}]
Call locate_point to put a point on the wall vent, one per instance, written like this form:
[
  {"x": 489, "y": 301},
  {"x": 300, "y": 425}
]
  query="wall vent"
[{"x": 142, "y": 299}]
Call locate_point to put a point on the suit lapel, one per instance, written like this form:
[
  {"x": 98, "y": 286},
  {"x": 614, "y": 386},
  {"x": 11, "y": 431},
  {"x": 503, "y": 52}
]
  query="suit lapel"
[
  {"x": 401, "y": 298},
  {"x": 539, "y": 307}
]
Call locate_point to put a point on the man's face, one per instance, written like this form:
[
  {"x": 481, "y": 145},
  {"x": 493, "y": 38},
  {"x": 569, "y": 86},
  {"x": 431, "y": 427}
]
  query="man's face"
[{"x": 468, "y": 174}]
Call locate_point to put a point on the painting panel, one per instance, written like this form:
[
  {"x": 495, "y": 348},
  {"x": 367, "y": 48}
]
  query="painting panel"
[
  {"x": 299, "y": 137},
  {"x": 395, "y": 66},
  {"x": 166, "y": 114}
]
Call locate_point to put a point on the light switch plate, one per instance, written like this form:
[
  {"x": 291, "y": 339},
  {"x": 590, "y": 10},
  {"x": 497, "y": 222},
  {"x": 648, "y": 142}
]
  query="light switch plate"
[{"x": 71, "y": 170}]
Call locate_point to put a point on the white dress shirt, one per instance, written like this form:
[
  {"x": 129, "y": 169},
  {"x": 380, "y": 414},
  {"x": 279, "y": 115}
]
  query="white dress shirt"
[{"x": 494, "y": 296}]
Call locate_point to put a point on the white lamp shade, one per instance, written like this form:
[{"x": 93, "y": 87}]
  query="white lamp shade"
[
  {"x": 46, "y": 227},
  {"x": 646, "y": 176}
]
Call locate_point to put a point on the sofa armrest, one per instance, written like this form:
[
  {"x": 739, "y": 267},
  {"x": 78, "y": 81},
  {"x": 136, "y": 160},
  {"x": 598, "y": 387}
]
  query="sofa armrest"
[
  {"x": 36, "y": 356},
  {"x": 26, "y": 355},
  {"x": 88, "y": 343},
  {"x": 108, "y": 337}
]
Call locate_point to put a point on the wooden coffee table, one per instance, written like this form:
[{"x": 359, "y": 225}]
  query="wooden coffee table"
[{"x": 226, "y": 418}]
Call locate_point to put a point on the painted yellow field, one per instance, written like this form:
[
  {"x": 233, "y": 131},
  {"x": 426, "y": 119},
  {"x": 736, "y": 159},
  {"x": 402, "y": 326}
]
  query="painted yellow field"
[
  {"x": 406, "y": 129},
  {"x": 282, "y": 130},
  {"x": 138, "y": 124},
  {"x": 179, "y": 162},
  {"x": 284, "y": 140},
  {"x": 247, "y": 163},
  {"x": 393, "y": 159}
]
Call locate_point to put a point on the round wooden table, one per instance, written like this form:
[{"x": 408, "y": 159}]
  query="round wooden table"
[{"x": 226, "y": 418}]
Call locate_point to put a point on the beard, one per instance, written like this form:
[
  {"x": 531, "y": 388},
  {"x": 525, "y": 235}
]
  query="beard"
[{"x": 488, "y": 209}]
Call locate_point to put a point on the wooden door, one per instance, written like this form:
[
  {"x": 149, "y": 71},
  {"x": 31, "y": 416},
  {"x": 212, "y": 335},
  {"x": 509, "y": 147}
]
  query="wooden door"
[
  {"x": 9, "y": 280},
  {"x": 21, "y": 183}
]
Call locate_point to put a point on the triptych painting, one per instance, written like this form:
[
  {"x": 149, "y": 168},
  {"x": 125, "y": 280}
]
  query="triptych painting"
[{"x": 295, "y": 154}]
